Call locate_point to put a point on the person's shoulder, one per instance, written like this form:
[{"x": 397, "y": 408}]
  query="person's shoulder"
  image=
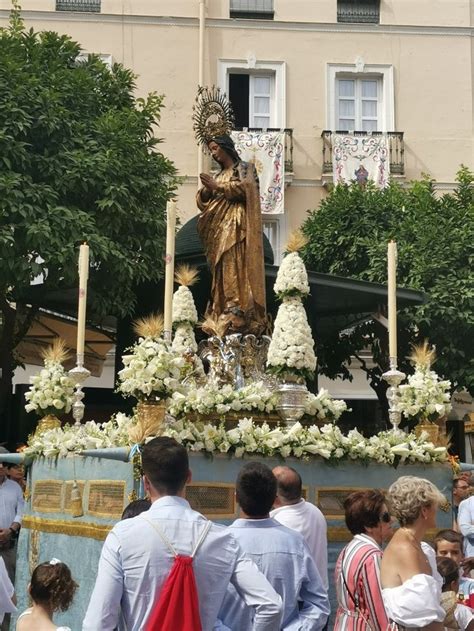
[{"x": 467, "y": 503}]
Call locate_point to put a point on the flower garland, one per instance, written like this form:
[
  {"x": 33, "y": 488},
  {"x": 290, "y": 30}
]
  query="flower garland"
[
  {"x": 327, "y": 442},
  {"x": 247, "y": 438},
  {"x": 255, "y": 397},
  {"x": 62, "y": 441},
  {"x": 152, "y": 370}
]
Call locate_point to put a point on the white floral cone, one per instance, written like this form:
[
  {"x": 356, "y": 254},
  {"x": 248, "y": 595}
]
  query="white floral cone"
[
  {"x": 51, "y": 390},
  {"x": 292, "y": 277},
  {"x": 184, "y": 309},
  {"x": 292, "y": 348}
]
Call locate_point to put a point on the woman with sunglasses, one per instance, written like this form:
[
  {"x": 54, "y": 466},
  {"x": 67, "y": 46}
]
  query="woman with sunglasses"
[
  {"x": 360, "y": 604},
  {"x": 410, "y": 580}
]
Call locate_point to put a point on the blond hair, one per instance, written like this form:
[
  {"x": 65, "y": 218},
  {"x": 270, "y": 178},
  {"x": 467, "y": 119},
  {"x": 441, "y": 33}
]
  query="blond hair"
[{"x": 409, "y": 494}]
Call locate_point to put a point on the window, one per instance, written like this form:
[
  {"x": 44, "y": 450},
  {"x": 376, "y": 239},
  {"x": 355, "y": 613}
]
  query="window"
[
  {"x": 252, "y": 9},
  {"x": 360, "y": 97},
  {"x": 274, "y": 228},
  {"x": 358, "y": 103},
  {"x": 358, "y": 11},
  {"x": 86, "y": 6},
  {"x": 256, "y": 90},
  {"x": 252, "y": 98}
]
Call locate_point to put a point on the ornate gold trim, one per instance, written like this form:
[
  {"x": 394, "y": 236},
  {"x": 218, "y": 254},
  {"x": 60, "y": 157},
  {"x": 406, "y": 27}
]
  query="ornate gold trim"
[
  {"x": 65, "y": 527},
  {"x": 213, "y": 514}
]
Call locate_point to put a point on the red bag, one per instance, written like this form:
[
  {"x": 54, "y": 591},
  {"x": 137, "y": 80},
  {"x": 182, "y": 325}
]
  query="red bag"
[{"x": 177, "y": 607}]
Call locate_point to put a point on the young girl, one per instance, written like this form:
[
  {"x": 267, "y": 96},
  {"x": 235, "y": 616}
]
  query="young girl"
[
  {"x": 51, "y": 589},
  {"x": 457, "y": 616}
]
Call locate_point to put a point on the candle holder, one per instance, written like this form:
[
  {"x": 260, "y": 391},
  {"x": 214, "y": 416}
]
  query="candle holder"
[
  {"x": 78, "y": 374},
  {"x": 393, "y": 377}
]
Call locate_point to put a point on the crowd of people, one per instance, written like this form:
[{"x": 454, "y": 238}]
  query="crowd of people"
[{"x": 165, "y": 566}]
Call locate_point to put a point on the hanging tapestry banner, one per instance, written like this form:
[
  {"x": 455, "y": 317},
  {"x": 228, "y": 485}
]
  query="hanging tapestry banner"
[
  {"x": 361, "y": 158},
  {"x": 267, "y": 151}
]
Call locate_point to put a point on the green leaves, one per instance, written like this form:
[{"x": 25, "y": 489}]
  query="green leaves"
[
  {"x": 435, "y": 235},
  {"x": 78, "y": 162}
]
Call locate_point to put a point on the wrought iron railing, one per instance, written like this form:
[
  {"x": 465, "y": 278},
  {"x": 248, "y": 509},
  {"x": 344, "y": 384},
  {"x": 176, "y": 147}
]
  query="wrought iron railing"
[
  {"x": 358, "y": 11},
  {"x": 84, "y": 6},
  {"x": 251, "y": 9},
  {"x": 395, "y": 144},
  {"x": 288, "y": 143}
]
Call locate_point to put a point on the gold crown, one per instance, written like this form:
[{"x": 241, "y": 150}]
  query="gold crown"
[{"x": 212, "y": 114}]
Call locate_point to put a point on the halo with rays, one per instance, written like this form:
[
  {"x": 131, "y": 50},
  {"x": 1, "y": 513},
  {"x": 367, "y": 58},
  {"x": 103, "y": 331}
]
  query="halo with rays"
[{"x": 212, "y": 114}]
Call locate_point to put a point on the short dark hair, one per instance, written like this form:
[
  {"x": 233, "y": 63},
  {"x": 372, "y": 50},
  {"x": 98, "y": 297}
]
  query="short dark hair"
[
  {"x": 363, "y": 510},
  {"x": 165, "y": 463},
  {"x": 136, "y": 508},
  {"x": 289, "y": 487},
  {"x": 52, "y": 585},
  {"x": 255, "y": 489},
  {"x": 448, "y": 569},
  {"x": 449, "y": 535}
]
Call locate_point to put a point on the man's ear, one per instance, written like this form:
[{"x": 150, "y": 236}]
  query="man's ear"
[
  {"x": 190, "y": 476},
  {"x": 146, "y": 484}
]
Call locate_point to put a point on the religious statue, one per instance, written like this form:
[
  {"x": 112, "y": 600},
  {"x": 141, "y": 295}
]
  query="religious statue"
[{"x": 230, "y": 225}]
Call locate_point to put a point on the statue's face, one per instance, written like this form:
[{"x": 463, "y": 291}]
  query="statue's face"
[{"x": 217, "y": 152}]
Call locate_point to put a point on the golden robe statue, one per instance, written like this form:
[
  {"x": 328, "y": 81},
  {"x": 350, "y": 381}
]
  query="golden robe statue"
[{"x": 230, "y": 227}]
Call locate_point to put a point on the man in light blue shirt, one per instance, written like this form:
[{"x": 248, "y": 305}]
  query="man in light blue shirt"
[
  {"x": 279, "y": 552},
  {"x": 135, "y": 561},
  {"x": 466, "y": 524}
]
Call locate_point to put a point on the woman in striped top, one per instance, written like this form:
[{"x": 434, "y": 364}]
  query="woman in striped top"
[{"x": 357, "y": 575}]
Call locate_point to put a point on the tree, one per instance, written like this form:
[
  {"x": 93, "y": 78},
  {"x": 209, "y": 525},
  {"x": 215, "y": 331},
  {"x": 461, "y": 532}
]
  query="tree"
[
  {"x": 78, "y": 161},
  {"x": 348, "y": 236}
]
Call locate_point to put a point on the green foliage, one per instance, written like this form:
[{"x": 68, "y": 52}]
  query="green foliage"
[
  {"x": 78, "y": 162},
  {"x": 348, "y": 236}
]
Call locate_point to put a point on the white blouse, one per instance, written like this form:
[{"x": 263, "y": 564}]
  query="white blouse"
[{"x": 416, "y": 603}]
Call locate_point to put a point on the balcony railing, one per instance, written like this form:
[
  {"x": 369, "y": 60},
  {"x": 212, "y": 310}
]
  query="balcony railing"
[
  {"x": 395, "y": 143},
  {"x": 358, "y": 11},
  {"x": 288, "y": 143},
  {"x": 251, "y": 9},
  {"x": 80, "y": 6}
]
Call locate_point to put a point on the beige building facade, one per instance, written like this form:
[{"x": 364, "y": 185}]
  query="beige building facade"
[
  {"x": 307, "y": 66},
  {"x": 310, "y": 67}
]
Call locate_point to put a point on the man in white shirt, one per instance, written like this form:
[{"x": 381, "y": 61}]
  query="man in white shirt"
[
  {"x": 279, "y": 552},
  {"x": 135, "y": 562},
  {"x": 466, "y": 524},
  {"x": 11, "y": 513},
  {"x": 291, "y": 510}
]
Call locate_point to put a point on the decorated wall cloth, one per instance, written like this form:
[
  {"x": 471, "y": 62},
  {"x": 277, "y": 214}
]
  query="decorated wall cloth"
[
  {"x": 361, "y": 158},
  {"x": 267, "y": 151}
]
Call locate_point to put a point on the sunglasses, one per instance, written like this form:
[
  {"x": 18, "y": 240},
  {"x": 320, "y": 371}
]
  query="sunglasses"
[{"x": 386, "y": 517}]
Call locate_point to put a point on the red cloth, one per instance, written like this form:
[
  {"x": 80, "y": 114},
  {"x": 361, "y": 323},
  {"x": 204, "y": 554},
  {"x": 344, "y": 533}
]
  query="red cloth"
[{"x": 177, "y": 608}]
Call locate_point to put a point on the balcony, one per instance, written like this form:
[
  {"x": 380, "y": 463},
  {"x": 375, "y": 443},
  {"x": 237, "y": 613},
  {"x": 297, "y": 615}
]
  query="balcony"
[
  {"x": 79, "y": 6},
  {"x": 288, "y": 145},
  {"x": 358, "y": 11},
  {"x": 252, "y": 9},
  {"x": 396, "y": 150}
]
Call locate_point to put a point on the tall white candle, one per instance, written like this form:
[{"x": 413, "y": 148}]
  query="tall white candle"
[
  {"x": 392, "y": 298},
  {"x": 82, "y": 302},
  {"x": 169, "y": 266}
]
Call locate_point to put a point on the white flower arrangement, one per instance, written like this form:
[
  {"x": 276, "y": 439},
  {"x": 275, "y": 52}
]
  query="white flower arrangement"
[
  {"x": 292, "y": 278},
  {"x": 247, "y": 438},
  {"x": 51, "y": 390},
  {"x": 255, "y": 397},
  {"x": 210, "y": 399},
  {"x": 184, "y": 309},
  {"x": 184, "y": 339},
  {"x": 328, "y": 442},
  {"x": 152, "y": 370},
  {"x": 324, "y": 407},
  {"x": 291, "y": 349},
  {"x": 72, "y": 439},
  {"x": 425, "y": 397}
]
